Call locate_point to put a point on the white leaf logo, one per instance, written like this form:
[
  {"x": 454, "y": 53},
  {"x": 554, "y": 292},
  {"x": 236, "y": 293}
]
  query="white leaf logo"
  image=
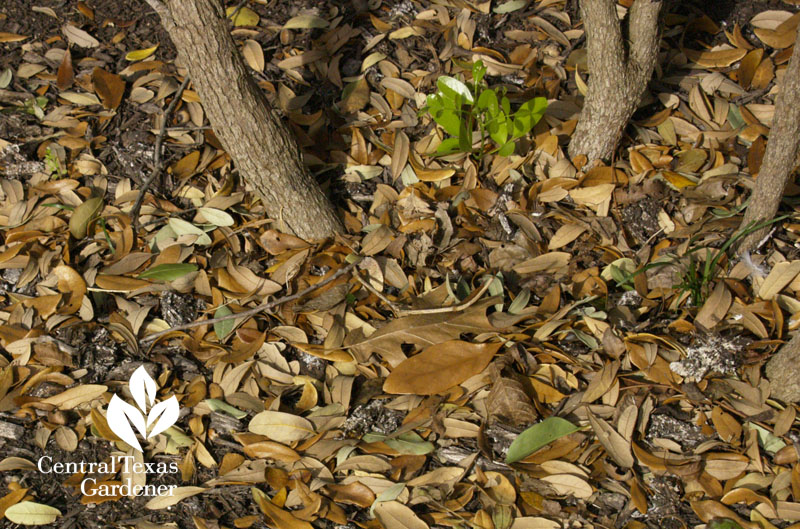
[{"x": 149, "y": 419}]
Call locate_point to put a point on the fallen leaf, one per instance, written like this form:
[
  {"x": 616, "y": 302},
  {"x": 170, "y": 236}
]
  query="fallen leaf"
[
  {"x": 30, "y": 513},
  {"x": 281, "y": 427},
  {"x": 440, "y": 367}
]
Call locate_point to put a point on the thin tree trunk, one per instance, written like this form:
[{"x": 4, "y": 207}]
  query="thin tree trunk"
[
  {"x": 780, "y": 156},
  {"x": 263, "y": 150},
  {"x": 783, "y": 372},
  {"x": 620, "y": 65}
]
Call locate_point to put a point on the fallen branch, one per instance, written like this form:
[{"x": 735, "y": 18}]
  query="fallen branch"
[
  {"x": 400, "y": 312},
  {"x": 157, "y": 161},
  {"x": 255, "y": 310}
]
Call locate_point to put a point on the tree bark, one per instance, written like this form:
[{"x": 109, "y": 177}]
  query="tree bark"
[
  {"x": 780, "y": 156},
  {"x": 263, "y": 150},
  {"x": 620, "y": 64},
  {"x": 783, "y": 372}
]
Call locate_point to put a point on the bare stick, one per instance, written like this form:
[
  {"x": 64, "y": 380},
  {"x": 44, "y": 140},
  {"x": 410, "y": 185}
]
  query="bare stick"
[
  {"x": 378, "y": 293},
  {"x": 255, "y": 310},
  {"x": 157, "y": 161}
]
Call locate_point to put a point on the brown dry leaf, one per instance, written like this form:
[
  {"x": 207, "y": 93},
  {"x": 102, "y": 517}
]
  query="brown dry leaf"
[
  {"x": 357, "y": 96},
  {"x": 281, "y": 427},
  {"x": 570, "y": 485},
  {"x": 172, "y": 497},
  {"x": 440, "y": 367},
  {"x": 12, "y": 498},
  {"x": 400, "y": 154},
  {"x": 79, "y": 37},
  {"x": 109, "y": 87},
  {"x": 748, "y": 66},
  {"x": 534, "y": 522},
  {"x": 781, "y": 275},
  {"x": 708, "y": 509},
  {"x": 278, "y": 518},
  {"x": 70, "y": 282},
  {"x": 565, "y": 235},
  {"x": 65, "y": 74},
  {"x": 422, "y": 331},
  {"x": 554, "y": 262},
  {"x": 715, "y": 307},
  {"x": 782, "y": 36},
  {"x": 617, "y": 447},
  {"x": 601, "y": 382},
  {"x": 253, "y": 54},
  {"x": 508, "y": 401},
  {"x": 715, "y": 59},
  {"x": 76, "y": 396},
  {"x": 395, "y": 515}
]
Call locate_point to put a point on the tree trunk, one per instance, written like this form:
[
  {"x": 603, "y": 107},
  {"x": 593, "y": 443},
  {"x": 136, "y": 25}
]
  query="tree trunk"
[
  {"x": 783, "y": 372},
  {"x": 263, "y": 150},
  {"x": 780, "y": 156},
  {"x": 620, "y": 65}
]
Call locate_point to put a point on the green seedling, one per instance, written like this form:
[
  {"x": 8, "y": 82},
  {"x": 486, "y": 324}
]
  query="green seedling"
[
  {"x": 699, "y": 276},
  {"x": 35, "y": 106},
  {"x": 470, "y": 111},
  {"x": 53, "y": 165}
]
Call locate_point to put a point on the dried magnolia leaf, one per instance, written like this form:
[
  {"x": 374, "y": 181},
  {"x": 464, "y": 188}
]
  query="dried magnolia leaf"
[
  {"x": 109, "y": 87},
  {"x": 76, "y": 396},
  {"x": 281, "y": 427},
  {"x": 440, "y": 367},
  {"x": 422, "y": 331},
  {"x": 31, "y": 513},
  {"x": 65, "y": 72},
  {"x": 355, "y": 96},
  {"x": 508, "y": 402},
  {"x": 172, "y": 497},
  {"x": 395, "y": 515},
  {"x": 715, "y": 308},
  {"x": 253, "y": 54},
  {"x": 715, "y": 59}
]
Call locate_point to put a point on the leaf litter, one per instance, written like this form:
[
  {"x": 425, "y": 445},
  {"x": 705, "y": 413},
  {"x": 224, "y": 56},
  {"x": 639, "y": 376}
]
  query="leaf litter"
[{"x": 530, "y": 341}]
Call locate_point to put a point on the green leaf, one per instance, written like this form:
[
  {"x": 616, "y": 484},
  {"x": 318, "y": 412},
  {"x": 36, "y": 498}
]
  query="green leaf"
[
  {"x": 478, "y": 71},
  {"x": 218, "y": 405},
  {"x": 498, "y": 129},
  {"x": 448, "y": 146},
  {"x": 534, "y": 107},
  {"x": 488, "y": 101},
  {"x": 505, "y": 104},
  {"x": 410, "y": 443},
  {"x": 464, "y": 139},
  {"x": 223, "y": 328},
  {"x": 168, "y": 272},
  {"x": 454, "y": 89},
  {"x": 537, "y": 436},
  {"x": 30, "y": 513},
  {"x": 507, "y": 149},
  {"x": 449, "y": 120}
]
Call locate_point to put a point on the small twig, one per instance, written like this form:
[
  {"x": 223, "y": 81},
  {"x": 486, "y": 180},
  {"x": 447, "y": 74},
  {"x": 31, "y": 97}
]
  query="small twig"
[
  {"x": 395, "y": 310},
  {"x": 255, "y": 310},
  {"x": 452, "y": 308},
  {"x": 157, "y": 161},
  {"x": 399, "y": 311}
]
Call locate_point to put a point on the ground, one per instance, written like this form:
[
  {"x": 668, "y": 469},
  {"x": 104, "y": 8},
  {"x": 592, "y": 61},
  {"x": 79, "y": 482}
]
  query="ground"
[{"x": 393, "y": 395}]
